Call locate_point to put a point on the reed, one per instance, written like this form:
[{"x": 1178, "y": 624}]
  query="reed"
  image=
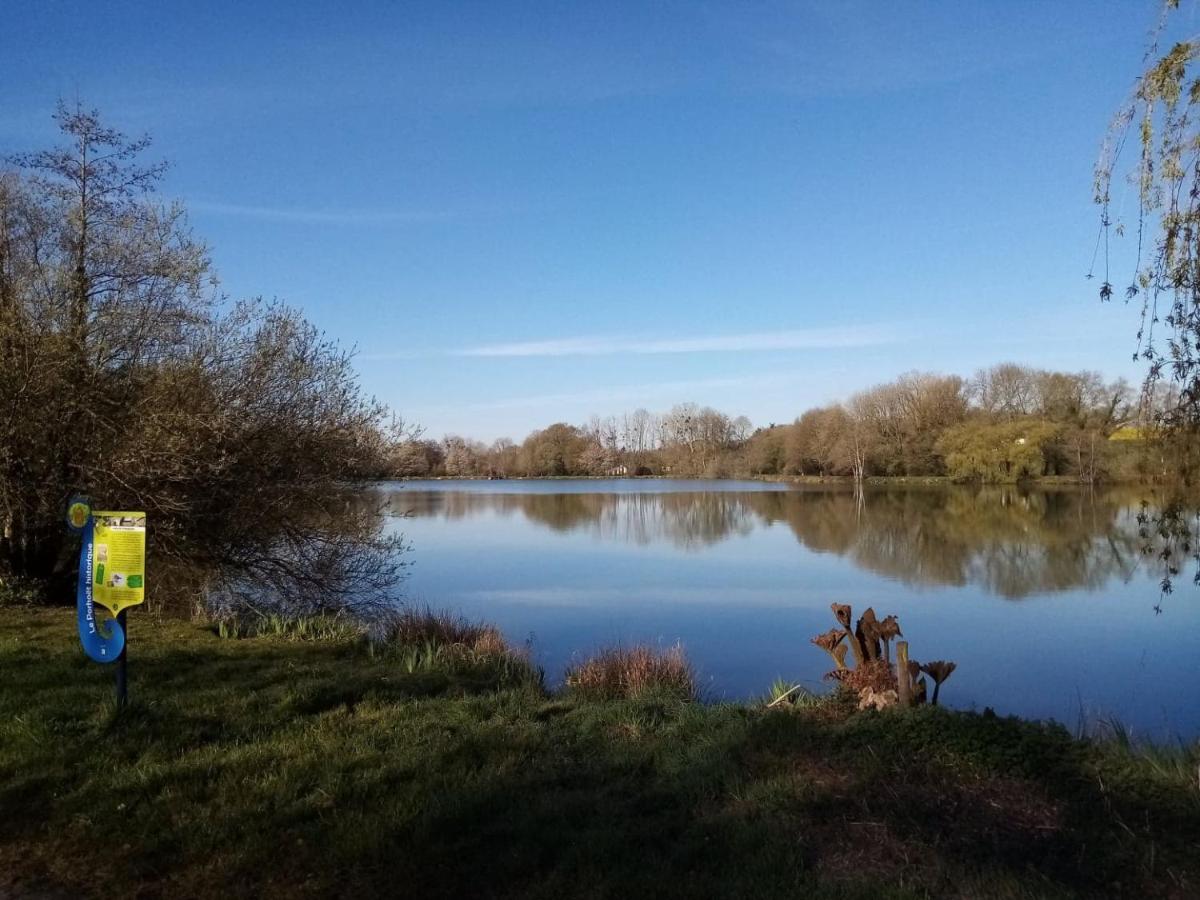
[
  {"x": 427, "y": 641},
  {"x": 633, "y": 672},
  {"x": 314, "y": 627},
  {"x": 414, "y": 627}
]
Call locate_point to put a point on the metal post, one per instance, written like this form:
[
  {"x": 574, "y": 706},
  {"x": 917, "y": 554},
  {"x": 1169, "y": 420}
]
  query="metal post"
[{"x": 122, "y": 673}]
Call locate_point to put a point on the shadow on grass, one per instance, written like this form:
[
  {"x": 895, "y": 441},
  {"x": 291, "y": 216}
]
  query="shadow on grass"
[{"x": 253, "y": 767}]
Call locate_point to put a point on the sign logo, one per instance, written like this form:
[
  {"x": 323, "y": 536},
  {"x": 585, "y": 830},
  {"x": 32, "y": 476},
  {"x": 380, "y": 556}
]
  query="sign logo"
[{"x": 79, "y": 511}]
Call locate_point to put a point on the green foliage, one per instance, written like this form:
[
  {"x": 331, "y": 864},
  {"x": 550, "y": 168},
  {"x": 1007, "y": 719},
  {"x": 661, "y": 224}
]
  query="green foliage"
[
  {"x": 268, "y": 767},
  {"x": 998, "y": 452}
]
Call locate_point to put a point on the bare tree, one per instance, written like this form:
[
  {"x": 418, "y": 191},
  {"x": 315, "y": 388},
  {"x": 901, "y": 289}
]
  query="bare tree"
[
  {"x": 1007, "y": 390},
  {"x": 239, "y": 428}
]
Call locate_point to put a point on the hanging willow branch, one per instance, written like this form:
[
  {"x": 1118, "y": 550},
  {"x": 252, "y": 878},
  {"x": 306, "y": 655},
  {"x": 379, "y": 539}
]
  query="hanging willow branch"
[{"x": 1162, "y": 116}]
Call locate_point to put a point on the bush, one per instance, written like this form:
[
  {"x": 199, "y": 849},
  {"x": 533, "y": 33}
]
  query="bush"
[{"x": 619, "y": 673}]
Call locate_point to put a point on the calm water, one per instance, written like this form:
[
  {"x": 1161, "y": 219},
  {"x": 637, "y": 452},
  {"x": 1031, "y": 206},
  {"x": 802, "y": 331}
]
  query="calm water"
[{"x": 1042, "y": 597}]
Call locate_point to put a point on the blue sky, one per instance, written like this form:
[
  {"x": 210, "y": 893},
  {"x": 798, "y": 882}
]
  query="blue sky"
[{"x": 521, "y": 213}]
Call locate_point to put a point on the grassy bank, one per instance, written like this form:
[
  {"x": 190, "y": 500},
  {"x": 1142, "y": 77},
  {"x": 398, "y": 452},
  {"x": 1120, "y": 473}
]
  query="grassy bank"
[{"x": 273, "y": 765}]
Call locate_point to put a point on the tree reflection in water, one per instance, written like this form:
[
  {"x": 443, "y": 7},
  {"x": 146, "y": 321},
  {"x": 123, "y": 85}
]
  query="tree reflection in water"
[{"x": 1011, "y": 541}]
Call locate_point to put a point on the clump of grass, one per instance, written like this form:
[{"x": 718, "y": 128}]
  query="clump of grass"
[
  {"x": 313, "y": 627},
  {"x": 619, "y": 673},
  {"x": 427, "y": 641},
  {"x": 785, "y": 693},
  {"x": 413, "y": 627},
  {"x": 1177, "y": 763}
]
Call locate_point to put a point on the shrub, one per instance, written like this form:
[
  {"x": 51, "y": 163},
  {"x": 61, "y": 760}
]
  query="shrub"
[{"x": 620, "y": 673}]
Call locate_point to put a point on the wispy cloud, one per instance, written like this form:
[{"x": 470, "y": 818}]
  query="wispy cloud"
[
  {"x": 804, "y": 339},
  {"x": 300, "y": 216},
  {"x": 641, "y": 392}
]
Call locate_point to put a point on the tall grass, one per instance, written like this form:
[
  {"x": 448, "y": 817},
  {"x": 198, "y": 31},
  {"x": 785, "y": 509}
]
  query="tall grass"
[
  {"x": 785, "y": 693},
  {"x": 418, "y": 626},
  {"x": 1178, "y": 763},
  {"x": 627, "y": 673},
  {"x": 313, "y": 627},
  {"x": 427, "y": 640}
]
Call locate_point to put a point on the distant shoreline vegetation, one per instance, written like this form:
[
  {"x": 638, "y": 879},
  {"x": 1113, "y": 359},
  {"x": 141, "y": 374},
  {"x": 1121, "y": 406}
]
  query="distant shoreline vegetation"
[
  {"x": 1041, "y": 481},
  {"x": 1006, "y": 424}
]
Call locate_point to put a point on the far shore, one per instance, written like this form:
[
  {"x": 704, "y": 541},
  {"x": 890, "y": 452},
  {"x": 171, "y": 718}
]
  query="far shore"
[{"x": 843, "y": 480}]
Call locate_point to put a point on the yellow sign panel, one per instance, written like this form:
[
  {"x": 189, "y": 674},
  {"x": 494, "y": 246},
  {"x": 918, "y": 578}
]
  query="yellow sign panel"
[{"x": 119, "y": 559}]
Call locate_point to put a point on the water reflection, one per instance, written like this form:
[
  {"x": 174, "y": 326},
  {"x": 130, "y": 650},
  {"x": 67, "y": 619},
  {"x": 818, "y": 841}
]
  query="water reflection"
[{"x": 1010, "y": 542}]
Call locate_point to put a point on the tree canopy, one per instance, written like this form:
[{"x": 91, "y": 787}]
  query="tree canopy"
[
  {"x": 237, "y": 426},
  {"x": 916, "y": 425}
]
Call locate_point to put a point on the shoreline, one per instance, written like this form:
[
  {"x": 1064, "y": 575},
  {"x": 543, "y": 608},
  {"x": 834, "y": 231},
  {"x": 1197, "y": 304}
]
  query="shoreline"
[
  {"x": 841, "y": 480},
  {"x": 378, "y": 771}
]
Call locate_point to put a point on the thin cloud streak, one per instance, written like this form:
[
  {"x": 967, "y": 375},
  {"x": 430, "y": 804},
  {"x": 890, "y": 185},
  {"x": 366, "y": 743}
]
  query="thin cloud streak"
[
  {"x": 642, "y": 391},
  {"x": 806, "y": 339}
]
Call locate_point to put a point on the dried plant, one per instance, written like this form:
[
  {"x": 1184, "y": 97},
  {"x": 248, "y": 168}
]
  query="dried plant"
[
  {"x": 869, "y": 698},
  {"x": 887, "y": 630},
  {"x": 831, "y": 643},
  {"x": 628, "y": 673},
  {"x": 872, "y": 676},
  {"x": 939, "y": 670},
  {"x": 875, "y": 674}
]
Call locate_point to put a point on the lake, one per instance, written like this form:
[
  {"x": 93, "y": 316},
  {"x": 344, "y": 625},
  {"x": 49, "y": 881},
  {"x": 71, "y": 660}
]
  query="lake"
[{"x": 1042, "y": 597}]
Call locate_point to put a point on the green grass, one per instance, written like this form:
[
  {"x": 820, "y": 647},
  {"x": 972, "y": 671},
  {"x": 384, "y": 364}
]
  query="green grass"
[{"x": 269, "y": 766}]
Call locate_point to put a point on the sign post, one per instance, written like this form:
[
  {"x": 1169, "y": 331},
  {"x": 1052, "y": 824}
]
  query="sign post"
[
  {"x": 122, "y": 665},
  {"x": 112, "y": 574}
]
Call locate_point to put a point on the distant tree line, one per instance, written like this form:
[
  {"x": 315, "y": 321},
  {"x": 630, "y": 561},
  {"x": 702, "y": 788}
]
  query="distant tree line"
[{"x": 1005, "y": 423}]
